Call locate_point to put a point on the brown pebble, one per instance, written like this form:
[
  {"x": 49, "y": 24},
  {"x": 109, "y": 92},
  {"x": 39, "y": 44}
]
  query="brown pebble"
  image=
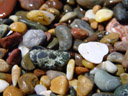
[
  {"x": 100, "y": 27},
  {"x": 125, "y": 60},
  {"x": 81, "y": 70},
  {"x": 14, "y": 57},
  {"x": 96, "y": 8},
  {"x": 57, "y": 24},
  {"x": 2, "y": 52},
  {"x": 11, "y": 41},
  {"x": 48, "y": 34},
  {"x": 94, "y": 25},
  {"x": 12, "y": 91},
  {"x": 39, "y": 72}
]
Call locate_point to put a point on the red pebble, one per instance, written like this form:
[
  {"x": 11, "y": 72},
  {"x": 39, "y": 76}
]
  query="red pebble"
[
  {"x": 79, "y": 33},
  {"x": 14, "y": 57},
  {"x": 11, "y": 41},
  {"x": 115, "y": 26}
]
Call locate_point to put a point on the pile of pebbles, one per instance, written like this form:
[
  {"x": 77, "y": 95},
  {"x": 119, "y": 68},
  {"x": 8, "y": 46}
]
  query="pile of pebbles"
[{"x": 63, "y": 47}]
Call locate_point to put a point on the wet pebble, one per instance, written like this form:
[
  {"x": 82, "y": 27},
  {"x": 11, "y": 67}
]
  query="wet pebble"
[
  {"x": 39, "y": 72},
  {"x": 93, "y": 51},
  {"x": 115, "y": 57},
  {"x": 3, "y": 85},
  {"x": 88, "y": 64},
  {"x": 120, "y": 69},
  {"x": 3, "y": 30},
  {"x": 105, "y": 81},
  {"x": 34, "y": 38},
  {"x": 73, "y": 83},
  {"x": 89, "y": 14},
  {"x": 39, "y": 88},
  {"x": 124, "y": 78},
  {"x": 14, "y": 18},
  {"x": 4, "y": 66},
  {"x": 81, "y": 70},
  {"x": 121, "y": 46}
]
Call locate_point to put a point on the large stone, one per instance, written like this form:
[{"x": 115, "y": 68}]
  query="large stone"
[{"x": 48, "y": 59}]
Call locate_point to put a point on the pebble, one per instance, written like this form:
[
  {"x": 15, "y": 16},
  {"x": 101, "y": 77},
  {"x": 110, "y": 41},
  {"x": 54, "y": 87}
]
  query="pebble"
[
  {"x": 4, "y": 66},
  {"x": 12, "y": 91},
  {"x": 105, "y": 81},
  {"x": 84, "y": 86},
  {"x": 40, "y": 88},
  {"x": 77, "y": 23},
  {"x": 54, "y": 11},
  {"x": 3, "y": 30},
  {"x": 46, "y": 93},
  {"x": 14, "y": 57},
  {"x": 125, "y": 60},
  {"x": 14, "y": 18},
  {"x": 45, "y": 80},
  {"x": 26, "y": 63},
  {"x": 125, "y": 3},
  {"x": 103, "y": 94},
  {"x": 78, "y": 59},
  {"x": 70, "y": 69},
  {"x": 76, "y": 44},
  {"x": 59, "y": 85},
  {"x": 27, "y": 82},
  {"x": 15, "y": 73},
  {"x": 88, "y": 64},
  {"x": 121, "y": 91},
  {"x": 116, "y": 27},
  {"x": 103, "y": 15},
  {"x": 55, "y": 59},
  {"x": 111, "y": 2},
  {"x": 21, "y": 14},
  {"x": 68, "y": 16},
  {"x": 120, "y": 70},
  {"x": 115, "y": 57},
  {"x": 71, "y": 2},
  {"x": 7, "y": 77},
  {"x": 64, "y": 36},
  {"x": 93, "y": 51},
  {"x": 89, "y": 14},
  {"x": 6, "y": 8},
  {"x": 79, "y": 13},
  {"x": 81, "y": 70},
  {"x": 121, "y": 46},
  {"x": 11, "y": 41},
  {"x": 2, "y": 52},
  {"x": 124, "y": 78},
  {"x": 53, "y": 74},
  {"x": 19, "y": 27},
  {"x": 120, "y": 12},
  {"x": 34, "y": 38},
  {"x": 31, "y": 4},
  {"x": 43, "y": 17},
  {"x": 109, "y": 66},
  {"x": 96, "y": 8},
  {"x": 73, "y": 83},
  {"x": 89, "y": 3},
  {"x": 3, "y": 85},
  {"x": 79, "y": 33},
  {"x": 39, "y": 72},
  {"x": 110, "y": 38},
  {"x": 94, "y": 25},
  {"x": 72, "y": 92}
]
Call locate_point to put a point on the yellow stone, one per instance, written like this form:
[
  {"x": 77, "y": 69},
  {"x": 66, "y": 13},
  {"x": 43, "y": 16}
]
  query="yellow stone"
[
  {"x": 87, "y": 64},
  {"x": 103, "y": 15},
  {"x": 59, "y": 85},
  {"x": 124, "y": 78},
  {"x": 44, "y": 80},
  {"x": 43, "y": 17},
  {"x": 12, "y": 91},
  {"x": 73, "y": 83},
  {"x": 120, "y": 70},
  {"x": 52, "y": 31},
  {"x": 19, "y": 27},
  {"x": 84, "y": 86}
]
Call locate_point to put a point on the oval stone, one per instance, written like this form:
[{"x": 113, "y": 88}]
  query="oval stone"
[{"x": 4, "y": 66}]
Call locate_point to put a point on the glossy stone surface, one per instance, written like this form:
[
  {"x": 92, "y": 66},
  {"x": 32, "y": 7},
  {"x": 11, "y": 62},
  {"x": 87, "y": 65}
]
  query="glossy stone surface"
[{"x": 27, "y": 83}]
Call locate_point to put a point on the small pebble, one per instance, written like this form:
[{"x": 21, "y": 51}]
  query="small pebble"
[
  {"x": 89, "y": 14},
  {"x": 120, "y": 70},
  {"x": 45, "y": 80},
  {"x": 70, "y": 69},
  {"x": 96, "y": 8},
  {"x": 125, "y": 60},
  {"x": 14, "y": 18},
  {"x": 121, "y": 46},
  {"x": 93, "y": 51},
  {"x": 7, "y": 77},
  {"x": 59, "y": 85},
  {"x": 19, "y": 27},
  {"x": 4, "y": 66},
  {"x": 88, "y": 64},
  {"x": 3, "y": 85},
  {"x": 46, "y": 93},
  {"x": 124, "y": 78},
  {"x": 103, "y": 94},
  {"x": 39, "y": 72},
  {"x": 78, "y": 59},
  {"x": 94, "y": 25},
  {"x": 73, "y": 83},
  {"x": 3, "y": 30},
  {"x": 81, "y": 70},
  {"x": 103, "y": 15},
  {"x": 2, "y": 52},
  {"x": 40, "y": 88}
]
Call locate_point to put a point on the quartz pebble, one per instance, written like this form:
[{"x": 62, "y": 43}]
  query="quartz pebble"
[
  {"x": 4, "y": 66},
  {"x": 34, "y": 38},
  {"x": 16, "y": 72},
  {"x": 3, "y": 85},
  {"x": 39, "y": 88},
  {"x": 93, "y": 51},
  {"x": 70, "y": 69},
  {"x": 103, "y": 15},
  {"x": 105, "y": 81},
  {"x": 59, "y": 85},
  {"x": 46, "y": 93},
  {"x": 89, "y": 14}
]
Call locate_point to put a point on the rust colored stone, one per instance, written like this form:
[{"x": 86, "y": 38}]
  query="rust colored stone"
[
  {"x": 14, "y": 57},
  {"x": 39, "y": 72},
  {"x": 81, "y": 70}
]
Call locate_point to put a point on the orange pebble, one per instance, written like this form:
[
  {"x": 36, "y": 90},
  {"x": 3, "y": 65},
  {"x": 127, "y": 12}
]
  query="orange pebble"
[
  {"x": 80, "y": 70},
  {"x": 96, "y": 8},
  {"x": 39, "y": 72}
]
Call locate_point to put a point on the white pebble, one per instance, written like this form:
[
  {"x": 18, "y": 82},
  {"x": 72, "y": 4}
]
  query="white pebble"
[
  {"x": 89, "y": 14},
  {"x": 3, "y": 85},
  {"x": 40, "y": 88},
  {"x": 70, "y": 69},
  {"x": 46, "y": 93},
  {"x": 93, "y": 51},
  {"x": 110, "y": 67},
  {"x": 24, "y": 49},
  {"x": 14, "y": 18}
]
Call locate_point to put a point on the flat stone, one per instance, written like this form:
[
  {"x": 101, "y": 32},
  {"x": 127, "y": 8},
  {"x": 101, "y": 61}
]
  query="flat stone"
[
  {"x": 105, "y": 81},
  {"x": 48, "y": 59},
  {"x": 59, "y": 85}
]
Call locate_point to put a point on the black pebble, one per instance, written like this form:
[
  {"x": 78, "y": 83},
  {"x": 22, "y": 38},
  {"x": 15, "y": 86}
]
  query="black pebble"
[{"x": 8, "y": 21}]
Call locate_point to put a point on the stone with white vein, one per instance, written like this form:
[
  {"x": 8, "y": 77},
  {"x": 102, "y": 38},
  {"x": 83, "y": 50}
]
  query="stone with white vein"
[{"x": 93, "y": 51}]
